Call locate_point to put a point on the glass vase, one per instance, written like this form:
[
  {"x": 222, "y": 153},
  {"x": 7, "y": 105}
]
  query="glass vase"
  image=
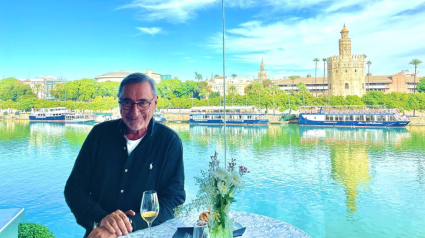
[{"x": 221, "y": 225}]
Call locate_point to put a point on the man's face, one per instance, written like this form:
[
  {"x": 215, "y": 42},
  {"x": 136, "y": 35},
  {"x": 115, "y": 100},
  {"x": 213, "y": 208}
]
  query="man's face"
[{"x": 138, "y": 119}]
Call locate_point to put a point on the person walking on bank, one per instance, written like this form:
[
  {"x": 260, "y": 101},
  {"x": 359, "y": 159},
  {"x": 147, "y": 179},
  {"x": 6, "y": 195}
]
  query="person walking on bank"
[{"x": 121, "y": 159}]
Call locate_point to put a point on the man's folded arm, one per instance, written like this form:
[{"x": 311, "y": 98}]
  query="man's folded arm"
[{"x": 77, "y": 188}]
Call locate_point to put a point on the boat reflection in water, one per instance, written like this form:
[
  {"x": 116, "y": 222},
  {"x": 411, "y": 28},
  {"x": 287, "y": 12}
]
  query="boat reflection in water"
[{"x": 349, "y": 151}]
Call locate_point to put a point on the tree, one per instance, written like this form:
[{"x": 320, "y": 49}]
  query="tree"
[
  {"x": 324, "y": 73},
  {"x": 315, "y": 75},
  {"x": 57, "y": 90},
  {"x": 87, "y": 89},
  {"x": 421, "y": 85},
  {"x": 293, "y": 77},
  {"x": 38, "y": 88},
  {"x": 11, "y": 89},
  {"x": 258, "y": 88},
  {"x": 413, "y": 103},
  {"x": 26, "y": 103},
  {"x": 368, "y": 74},
  {"x": 205, "y": 90},
  {"x": 415, "y": 62},
  {"x": 199, "y": 77},
  {"x": 234, "y": 76},
  {"x": 302, "y": 88},
  {"x": 216, "y": 75},
  {"x": 275, "y": 89},
  {"x": 267, "y": 83},
  {"x": 170, "y": 88},
  {"x": 232, "y": 90}
]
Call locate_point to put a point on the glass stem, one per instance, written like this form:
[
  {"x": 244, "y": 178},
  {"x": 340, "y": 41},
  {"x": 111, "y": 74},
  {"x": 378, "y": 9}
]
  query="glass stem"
[{"x": 149, "y": 224}]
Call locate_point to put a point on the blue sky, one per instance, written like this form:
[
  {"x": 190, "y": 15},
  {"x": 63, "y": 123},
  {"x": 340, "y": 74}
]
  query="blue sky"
[{"x": 76, "y": 39}]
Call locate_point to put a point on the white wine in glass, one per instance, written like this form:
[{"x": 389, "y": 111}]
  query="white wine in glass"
[{"x": 149, "y": 208}]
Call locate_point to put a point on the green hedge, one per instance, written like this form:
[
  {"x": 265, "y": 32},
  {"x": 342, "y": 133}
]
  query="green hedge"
[{"x": 33, "y": 230}]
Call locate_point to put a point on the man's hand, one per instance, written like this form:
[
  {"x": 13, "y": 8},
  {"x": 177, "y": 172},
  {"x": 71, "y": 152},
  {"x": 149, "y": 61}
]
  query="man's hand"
[
  {"x": 101, "y": 232},
  {"x": 118, "y": 223}
]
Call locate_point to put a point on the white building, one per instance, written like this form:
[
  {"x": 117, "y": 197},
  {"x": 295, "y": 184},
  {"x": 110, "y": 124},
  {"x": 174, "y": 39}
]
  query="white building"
[
  {"x": 239, "y": 82},
  {"x": 41, "y": 86},
  {"x": 118, "y": 76}
]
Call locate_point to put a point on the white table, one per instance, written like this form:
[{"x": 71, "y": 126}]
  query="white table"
[{"x": 256, "y": 226}]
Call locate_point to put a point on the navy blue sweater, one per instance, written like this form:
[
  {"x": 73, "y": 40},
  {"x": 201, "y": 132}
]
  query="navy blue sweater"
[{"x": 105, "y": 178}]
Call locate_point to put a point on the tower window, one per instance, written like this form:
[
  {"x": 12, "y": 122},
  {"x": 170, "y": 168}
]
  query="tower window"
[
  {"x": 355, "y": 70},
  {"x": 346, "y": 71},
  {"x": 347, "y": 86},
  {"x": 336, "y": 71},
  {"x": 330, "y": 86}
]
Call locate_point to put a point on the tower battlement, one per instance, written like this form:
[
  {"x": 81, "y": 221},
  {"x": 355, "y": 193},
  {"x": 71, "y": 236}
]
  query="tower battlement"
[{"x": 346, "y": 71}]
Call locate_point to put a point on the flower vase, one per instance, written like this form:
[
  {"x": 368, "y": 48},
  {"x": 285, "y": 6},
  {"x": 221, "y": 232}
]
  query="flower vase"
[{"x": 221, "y": 225}]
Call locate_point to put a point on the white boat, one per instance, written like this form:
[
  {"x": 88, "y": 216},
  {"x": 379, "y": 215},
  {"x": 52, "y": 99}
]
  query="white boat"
[
  {"x": 235, "y": 115},
  {"x": 78, "y": 118},
  {"x": 54, "y": 114},
  {"x": 102, "y": 118},
  {"x": 157, "y": 116}
]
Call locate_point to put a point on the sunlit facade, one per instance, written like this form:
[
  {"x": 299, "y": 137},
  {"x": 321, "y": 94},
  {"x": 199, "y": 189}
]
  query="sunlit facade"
[{"x": 118, "y": 76}]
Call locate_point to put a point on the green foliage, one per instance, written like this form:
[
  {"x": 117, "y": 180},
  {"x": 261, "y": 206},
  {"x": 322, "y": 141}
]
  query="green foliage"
[
  {"x": 26, "y": 103},
  {"x": 11, "y": 89},
  {"x": 33, "y": 230},
  {"x": 302, "y": 88},
  {"x": 421, "y": 85}
]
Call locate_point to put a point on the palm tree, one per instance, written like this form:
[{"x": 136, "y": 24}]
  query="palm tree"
[
  {"x": 368, "y": 74},
  {"x": 258, "y": 88},
  {"x": 232, "y": 90},
  {"x": 234, "y": 76},
  {"x": 315, "y": 78},
  {"x": 275, "y": 88},
  {"x": 324, "y": 67},
  {"x": 415, "y": 62},
  {"x": 37, "y": 88},
  {"x": 293, "y": 77}
]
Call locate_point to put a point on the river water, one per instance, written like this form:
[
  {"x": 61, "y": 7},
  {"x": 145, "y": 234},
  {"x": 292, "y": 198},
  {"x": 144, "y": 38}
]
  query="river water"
[{"x": 329, "y": 182}]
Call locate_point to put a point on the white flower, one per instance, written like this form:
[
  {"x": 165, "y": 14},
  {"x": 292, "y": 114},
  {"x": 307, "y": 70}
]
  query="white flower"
[
  {"x": 223, "y": 188},
  {"x": 221, "y": 174},
  {"x": 236, "y": 180}
]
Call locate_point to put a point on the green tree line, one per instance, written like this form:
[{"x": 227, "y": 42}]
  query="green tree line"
[{"x": 173, "y": 93}]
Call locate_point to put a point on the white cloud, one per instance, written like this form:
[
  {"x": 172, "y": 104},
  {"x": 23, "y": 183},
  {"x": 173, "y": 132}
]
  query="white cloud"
[
  {"x": 151, "y": 31},
  {"x": 175, "y": 11},
  {"x": 289, "y": 46}
]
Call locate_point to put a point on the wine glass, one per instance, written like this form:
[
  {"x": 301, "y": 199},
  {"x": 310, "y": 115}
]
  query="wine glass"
[
  {"x": 149, "y": 208},
  {"x": 200, "y": 229}
]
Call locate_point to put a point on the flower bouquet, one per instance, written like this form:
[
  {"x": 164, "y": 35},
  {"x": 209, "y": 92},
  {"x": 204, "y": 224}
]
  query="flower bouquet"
[{"x": 217, "y": 190}]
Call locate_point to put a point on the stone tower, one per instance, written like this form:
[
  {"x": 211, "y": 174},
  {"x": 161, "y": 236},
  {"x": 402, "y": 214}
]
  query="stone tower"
[
  {"x": 262, "y": 74},
  {"x": 346, "y": 72}
]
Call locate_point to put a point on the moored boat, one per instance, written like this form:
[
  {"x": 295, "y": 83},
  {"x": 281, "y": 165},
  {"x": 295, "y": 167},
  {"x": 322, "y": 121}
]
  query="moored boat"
[
  {"x": 157, "y": 116},
  {"x": 54, "y": 114},
  {"x": 351, "y": 116},
  {"x": 235, "y": 115},
  {"x": 78, "y": 118}
]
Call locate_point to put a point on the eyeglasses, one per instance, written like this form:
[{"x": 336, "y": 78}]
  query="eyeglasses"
[{"x": 141, "y": 105}]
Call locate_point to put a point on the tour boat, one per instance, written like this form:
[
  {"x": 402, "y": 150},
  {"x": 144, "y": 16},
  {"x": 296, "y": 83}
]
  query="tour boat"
[
  {"x": 351, "y": 116},
  {"x": 78, "y": 118},
  {"x": 157, "y": 116},
  {"x": 235, "y": 115},
  {"x": 54, "y": 114}
]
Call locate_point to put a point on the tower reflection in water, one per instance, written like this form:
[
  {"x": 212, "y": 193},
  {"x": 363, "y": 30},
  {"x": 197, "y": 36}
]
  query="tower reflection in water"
[{"x": 349, "y": 154}]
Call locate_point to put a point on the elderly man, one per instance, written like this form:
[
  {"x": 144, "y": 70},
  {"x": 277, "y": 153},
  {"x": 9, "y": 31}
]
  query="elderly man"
[{"x": 121, "y": 159}]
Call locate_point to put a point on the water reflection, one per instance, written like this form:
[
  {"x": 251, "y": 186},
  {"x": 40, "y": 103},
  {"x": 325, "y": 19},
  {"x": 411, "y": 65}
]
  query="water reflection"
[
  {"x": 349, "y": 147},
  {"x": 42, "y": 134}
]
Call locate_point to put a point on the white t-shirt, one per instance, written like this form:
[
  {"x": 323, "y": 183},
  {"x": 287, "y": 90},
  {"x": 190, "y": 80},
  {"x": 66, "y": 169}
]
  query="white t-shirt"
[{"x": 131, "y": 144}]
